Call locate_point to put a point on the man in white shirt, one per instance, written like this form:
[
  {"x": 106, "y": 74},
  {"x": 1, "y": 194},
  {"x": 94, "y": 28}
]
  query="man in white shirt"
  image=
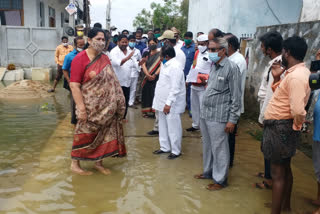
[
  {"x": 170, "y": 102},
  {"x": 202, "y": 62},
  {"x": 179, "y": 42},
  {"x": 168, "y": 38},
  {"x": 240, "y": 61},
  {"x": 135, "y": 69},
  {"x": 122, "y": 63},
  {"x": 271, "y": 46}
]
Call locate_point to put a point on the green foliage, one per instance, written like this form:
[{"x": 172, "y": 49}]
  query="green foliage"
[{"x": 164, "y": 16}]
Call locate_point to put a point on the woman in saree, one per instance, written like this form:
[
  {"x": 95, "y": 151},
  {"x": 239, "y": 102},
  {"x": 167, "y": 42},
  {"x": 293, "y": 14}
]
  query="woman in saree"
[
  {"x": 100, "y": 107},
  {"x": 151, "y": 69}
]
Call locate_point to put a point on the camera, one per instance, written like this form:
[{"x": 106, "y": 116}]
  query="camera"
[{"x": 314, "y": 78}]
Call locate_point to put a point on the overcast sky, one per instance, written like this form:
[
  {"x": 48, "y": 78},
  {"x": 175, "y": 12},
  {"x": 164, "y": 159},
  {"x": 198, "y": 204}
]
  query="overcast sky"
[{"x": 123, "y": 12}]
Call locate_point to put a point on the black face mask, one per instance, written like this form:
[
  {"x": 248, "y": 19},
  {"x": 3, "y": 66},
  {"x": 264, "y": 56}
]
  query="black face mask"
[{"x": 152, "y": 47}]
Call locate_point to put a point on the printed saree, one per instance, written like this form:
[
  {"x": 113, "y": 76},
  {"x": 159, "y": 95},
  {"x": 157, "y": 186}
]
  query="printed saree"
[{"x": 102, "y": 134}]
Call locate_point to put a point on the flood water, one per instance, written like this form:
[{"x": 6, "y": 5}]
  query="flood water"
[{"x": 35, "y": 150}]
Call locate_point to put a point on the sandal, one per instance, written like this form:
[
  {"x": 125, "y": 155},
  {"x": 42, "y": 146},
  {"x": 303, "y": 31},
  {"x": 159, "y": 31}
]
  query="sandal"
[
  {"x": 214, "y": 187},
  {"x": 263, "y": 185},
  {"x": 199, "y": 176},
  {"x": 260, "y": 175}
]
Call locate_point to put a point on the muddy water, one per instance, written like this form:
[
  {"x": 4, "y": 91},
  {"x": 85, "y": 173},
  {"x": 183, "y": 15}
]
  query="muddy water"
[{"x": 35, "y": 177}]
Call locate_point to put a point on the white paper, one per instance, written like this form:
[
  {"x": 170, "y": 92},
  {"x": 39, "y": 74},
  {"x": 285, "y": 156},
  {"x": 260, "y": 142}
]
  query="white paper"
[{"x": 193, "y": 74}]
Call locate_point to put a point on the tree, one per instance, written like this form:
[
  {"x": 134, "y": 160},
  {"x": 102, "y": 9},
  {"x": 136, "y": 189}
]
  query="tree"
[{"x": 170, "y": 14}]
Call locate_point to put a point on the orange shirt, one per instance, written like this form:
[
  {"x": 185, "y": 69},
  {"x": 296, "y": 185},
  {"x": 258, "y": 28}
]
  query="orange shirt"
[
  {"x": 290, "y": 97},
  {"x": 61, "y": 52}
]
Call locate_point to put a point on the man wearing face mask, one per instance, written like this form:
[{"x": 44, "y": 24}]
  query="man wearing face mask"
[
  {"x": 139, "y": 44},
  {"x": 220, "y": 111},
  {"x": 78, "y": 44},
  {"x": 122, "y": 63},
  {"x": 61, "y": 51},
  {"x": 135, "y": 69},
  {"x": 201, "y": 61},
  {"x": 271, "y": 47}
]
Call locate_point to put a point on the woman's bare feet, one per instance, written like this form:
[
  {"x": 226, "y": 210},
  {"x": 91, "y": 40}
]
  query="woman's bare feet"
[
  {"x": 75, "y": 168},
  {"x": 98, "y": 166}
]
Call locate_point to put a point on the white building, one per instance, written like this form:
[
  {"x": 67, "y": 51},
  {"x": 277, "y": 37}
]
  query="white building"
[
  {"x": 30, "y": 30},
  {"x": 241, "y": 17}
]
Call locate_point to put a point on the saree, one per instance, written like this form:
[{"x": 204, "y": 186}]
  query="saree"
[
  {"x": 102, "y": 134},
  {"x": 148, "y": 87}
]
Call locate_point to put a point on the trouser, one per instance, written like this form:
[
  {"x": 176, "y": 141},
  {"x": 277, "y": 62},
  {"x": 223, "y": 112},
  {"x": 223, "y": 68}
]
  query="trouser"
[
  {"x": 133, "y": 87},
  {"x": 126, "y": 93},
  {"x": 73, "y": 110},
  {"x": 170, "y": 132},
  {"x": 196, "y": 100},
  {"x": 188, "y": 98},
  {"x": 156, "y": 122},
  {"x": 216, "y": 154},
  {"x": 59, "y": 73},
  {"x": 316, "y": 159},
  {"x": 232, "y": 144},
  {"x": 139, "y": 87}
]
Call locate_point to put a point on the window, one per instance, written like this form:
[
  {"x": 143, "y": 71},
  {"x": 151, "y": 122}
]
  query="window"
[
  {"x": 11, "y": 12},
  {"x": 62, "y": 19},
  {"x": 52, "y": 17},
  {"x": 42, "y": 20}
]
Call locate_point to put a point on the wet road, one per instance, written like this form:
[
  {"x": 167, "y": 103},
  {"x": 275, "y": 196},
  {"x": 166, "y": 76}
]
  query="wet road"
[{"x": 35, "y": 178}]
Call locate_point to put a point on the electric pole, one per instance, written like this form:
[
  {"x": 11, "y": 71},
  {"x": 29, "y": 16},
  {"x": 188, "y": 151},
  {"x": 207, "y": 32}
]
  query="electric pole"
[{"x": 108, "y": 15}]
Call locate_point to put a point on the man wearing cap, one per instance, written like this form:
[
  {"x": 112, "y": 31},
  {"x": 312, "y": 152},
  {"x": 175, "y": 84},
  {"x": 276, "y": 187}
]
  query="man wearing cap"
[
  {"x": 201, "y": 61},
  {"x": 177, "y": 36},
  {"x": 168, "y": 38}
]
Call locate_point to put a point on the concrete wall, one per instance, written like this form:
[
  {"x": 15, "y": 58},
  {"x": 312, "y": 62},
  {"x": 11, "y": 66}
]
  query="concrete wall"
[
  {"x": 28, "y": 47},
  {"x": 241, "y": 16},
  {"x": 257, "y": 61},
  {"x": 310, "y": 10}
]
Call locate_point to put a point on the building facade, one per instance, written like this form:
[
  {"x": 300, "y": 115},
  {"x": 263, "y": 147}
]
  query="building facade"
[{"x": 241, "y": 17}]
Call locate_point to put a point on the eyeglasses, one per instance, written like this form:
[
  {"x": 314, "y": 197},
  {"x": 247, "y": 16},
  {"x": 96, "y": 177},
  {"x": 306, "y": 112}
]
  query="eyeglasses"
[{"x": 214, "y": 49}]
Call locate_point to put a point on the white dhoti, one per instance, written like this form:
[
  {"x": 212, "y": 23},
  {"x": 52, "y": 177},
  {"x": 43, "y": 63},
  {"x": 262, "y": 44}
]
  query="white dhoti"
[
  {"x": 133, "y": 88},
  {"x": 196, "y": 100},
  {"x": 170, "y": 132}
]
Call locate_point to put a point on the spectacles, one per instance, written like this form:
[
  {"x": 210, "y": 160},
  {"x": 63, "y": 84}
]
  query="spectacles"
[{"x": 214, "y": 49}]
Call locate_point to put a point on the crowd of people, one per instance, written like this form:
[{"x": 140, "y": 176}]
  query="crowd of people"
[{"x": 205, "y": 76}]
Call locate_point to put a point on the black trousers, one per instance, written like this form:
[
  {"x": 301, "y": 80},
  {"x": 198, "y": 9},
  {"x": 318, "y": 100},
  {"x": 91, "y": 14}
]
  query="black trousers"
[
  {"x": 73, "y": 110},
  {"x": 232, "y": 144},
  {"x": 126, "y": 93},
  {"x": 267, "y": 169}
]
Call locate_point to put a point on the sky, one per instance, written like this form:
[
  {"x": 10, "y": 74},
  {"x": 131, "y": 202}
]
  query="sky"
[{"x": 123, "y": 12}]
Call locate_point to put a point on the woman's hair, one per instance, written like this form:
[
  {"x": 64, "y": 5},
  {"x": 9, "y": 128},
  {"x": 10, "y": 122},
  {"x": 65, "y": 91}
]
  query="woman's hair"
[
  {"x": 153, "y": 39},
  {"x": 94, "y": 32}
]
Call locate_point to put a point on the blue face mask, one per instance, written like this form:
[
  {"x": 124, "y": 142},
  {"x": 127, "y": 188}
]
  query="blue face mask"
[
  {"x": 214, "y": 57},
  {"x": 132, "y": 44},
  {"x": 162, "y": 44},
  {"x": 164, "y": 61}
]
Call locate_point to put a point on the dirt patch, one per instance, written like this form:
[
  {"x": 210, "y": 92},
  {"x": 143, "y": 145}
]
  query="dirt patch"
[{"x": 25, "y": 89}]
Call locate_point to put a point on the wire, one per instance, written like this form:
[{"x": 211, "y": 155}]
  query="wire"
[{"x": 273, "y": 12}]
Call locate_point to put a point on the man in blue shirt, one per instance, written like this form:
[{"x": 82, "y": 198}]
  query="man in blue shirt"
[
  {"x": 139, "y": 44},
  {"x": 189, "y": 50},
  {"x": 66, "y": 67}
]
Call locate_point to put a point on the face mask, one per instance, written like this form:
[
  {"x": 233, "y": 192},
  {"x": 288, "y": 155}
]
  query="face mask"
[
  {"x": 214, "y": 57},
  {"x": 153, "y": 47},
  {"x": 202, "y": 48},
  {"x": 80, "y": 33},
  {"x": 132, "y": 44},
  {"x": 157, "y": 35},
  {"x": 188, "y": 41},
  {"x": 98, "y": 46},
  {"x": 162, "y": 44},
  {"x": 65, "y": 44},
  {"x": 138, "y": 40},
  {"x": 79, "y": 49},
  {"x": 143, "y": 40},
  {"x": 164, "y": 61}
]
